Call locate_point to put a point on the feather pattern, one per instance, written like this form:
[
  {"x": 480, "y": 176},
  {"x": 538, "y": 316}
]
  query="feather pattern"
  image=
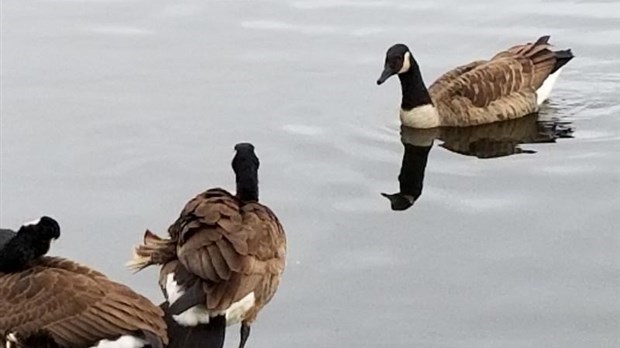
[
  {"x": 74, "y": 305},
  {"x": 235, "y": 248},
  {"x": 502, "y": 88}
]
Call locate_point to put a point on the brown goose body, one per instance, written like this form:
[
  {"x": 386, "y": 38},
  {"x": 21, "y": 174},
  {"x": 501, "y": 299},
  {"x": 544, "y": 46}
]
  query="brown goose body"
[
  {"x": 236, "y": 249},
  {"x": 510, "y": 85},
  {"x": 75, "y": 306},
  {"x": 224, "y": 258}
]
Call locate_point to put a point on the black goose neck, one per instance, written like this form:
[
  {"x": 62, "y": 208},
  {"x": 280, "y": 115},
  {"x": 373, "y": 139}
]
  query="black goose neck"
[
  {"x": 411, "y": 177},
  {"x": 414, "y": 90},
  {"x": 18, "y": 252},
  {"x": 246, "y": 174}
]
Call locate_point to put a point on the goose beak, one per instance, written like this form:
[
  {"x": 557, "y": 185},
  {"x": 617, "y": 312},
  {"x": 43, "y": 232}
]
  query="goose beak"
[
  {"x": 387, "y": 72},
  {"x": 399, "y": 201}
]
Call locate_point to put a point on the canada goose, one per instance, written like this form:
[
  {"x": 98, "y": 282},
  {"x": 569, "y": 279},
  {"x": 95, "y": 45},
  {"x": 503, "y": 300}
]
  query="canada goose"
[
  {"x": 485, "y": 141},
  {"x": 225, "y": 254},
  {"x": 56, "y": 302},
  {"x": 514, "y": 83}
]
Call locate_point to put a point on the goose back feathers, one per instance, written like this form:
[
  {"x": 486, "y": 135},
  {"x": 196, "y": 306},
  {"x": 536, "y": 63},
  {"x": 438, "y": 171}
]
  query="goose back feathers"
[
  {"x": 75, "y": 305},
  {"x": 237, "y": 249},
  {"x": 512, "y": 84}
]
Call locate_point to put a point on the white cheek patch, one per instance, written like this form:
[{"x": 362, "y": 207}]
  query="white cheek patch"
[
  {"x": 406, "y": 63},
  {"x": 236, "y": 312},
  {"x": 125, "y": 341},
  {"x": 32, "y": 223}
]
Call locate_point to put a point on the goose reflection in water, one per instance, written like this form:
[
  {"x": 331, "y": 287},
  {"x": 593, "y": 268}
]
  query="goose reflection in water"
[{"x": 486, "y": 141}]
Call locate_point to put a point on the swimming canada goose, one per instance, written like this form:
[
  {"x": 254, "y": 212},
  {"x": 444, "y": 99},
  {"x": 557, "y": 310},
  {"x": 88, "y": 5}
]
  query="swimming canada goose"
[
  {"x": 56, "y": 302},
  {"x": 224, "y": 256},
  {"x": 492, "y": 140},
  {"x": 512, "y": 84}
]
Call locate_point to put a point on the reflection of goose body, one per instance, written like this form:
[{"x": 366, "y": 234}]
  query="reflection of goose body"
[
  {"x": 502, "y": 138},
  {"x": 223, "y": 260},
  {"x": 485, "y": 141},
  {"x": 53, "y": 302},
  {"x": 510, "y": 85}
]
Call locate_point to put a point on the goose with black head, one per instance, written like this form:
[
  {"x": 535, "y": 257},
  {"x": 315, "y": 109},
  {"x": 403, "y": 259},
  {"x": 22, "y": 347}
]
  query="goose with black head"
[
  {"x": 54, "y": 302},
  {"x": 512, "y": 84},
  {"x": 224, "y": 257}
]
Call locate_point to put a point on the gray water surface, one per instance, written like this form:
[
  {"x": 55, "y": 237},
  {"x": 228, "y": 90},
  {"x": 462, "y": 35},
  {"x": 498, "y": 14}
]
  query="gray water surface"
[{"x": 115, "y": 113}]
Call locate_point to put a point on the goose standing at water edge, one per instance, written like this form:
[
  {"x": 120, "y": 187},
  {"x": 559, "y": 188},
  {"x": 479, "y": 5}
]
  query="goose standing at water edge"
[
  {"x": 512, "y": 84},
  {"x": 223, "y": 261},
  {"x": 53, "y": 302}
]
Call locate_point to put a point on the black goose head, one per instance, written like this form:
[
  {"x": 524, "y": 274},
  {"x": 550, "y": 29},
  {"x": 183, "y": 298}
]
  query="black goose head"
[
  {"x": 245, "y": 164},
  {"x": 44, "y": 228},
  {"x": 31, "y": 241},
  {"x": 40, "y": 234},
  {"x": 397, "y": 61}
]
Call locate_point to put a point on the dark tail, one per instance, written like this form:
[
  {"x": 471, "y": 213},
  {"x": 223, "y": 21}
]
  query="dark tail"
[
  {"x": 561, "y": 58},
  {"x": 210, "y": 335}
]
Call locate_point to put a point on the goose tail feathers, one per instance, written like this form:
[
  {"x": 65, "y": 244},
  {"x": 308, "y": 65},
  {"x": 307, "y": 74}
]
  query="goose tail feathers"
[
  {"x": 561, "y": 58},
  {"x": 154, "y": 250}
]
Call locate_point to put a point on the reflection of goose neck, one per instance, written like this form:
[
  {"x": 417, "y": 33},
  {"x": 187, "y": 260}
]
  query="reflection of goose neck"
[{"x": 411, "y": 177}]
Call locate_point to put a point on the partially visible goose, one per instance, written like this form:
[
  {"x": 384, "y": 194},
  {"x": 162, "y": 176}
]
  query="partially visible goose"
[
  {"x": 224, "y": 255},
  {"x": 61, "y": 303},
  {"x": 512, "y": 84}
]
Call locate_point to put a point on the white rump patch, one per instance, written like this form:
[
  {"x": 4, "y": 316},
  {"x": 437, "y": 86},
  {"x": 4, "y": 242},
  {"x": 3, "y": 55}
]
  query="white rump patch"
[
  {"x": 199, "y": 314},
  {"x": 173, "y": 290},
  {"x": 32, "y": 223},
  {"x": 11, "y": 340},
  {"x": 424, "y": 116},
  {"x": 125, "y": 341},
  {"x": 544, "y": 91},
  {"x": 236, "y": 312},
  {"x": 406, "y": 63},
  {"x": 193, "y": 316}
]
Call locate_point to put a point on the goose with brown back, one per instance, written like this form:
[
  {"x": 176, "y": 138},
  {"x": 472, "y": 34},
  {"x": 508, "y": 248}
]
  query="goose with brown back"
[
  {"x": 54, "y": 302},
  {"x": 512, "y": 84},
  {"x": 224, "y": 256}
]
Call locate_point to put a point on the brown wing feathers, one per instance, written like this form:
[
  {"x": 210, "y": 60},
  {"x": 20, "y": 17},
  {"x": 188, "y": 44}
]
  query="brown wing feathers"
[
  {"x": 541, "y": 59},
  {"x": 75, "y": 305},
  {"x": 499, "y": 89},
  {"x": 230, "y": 246}
]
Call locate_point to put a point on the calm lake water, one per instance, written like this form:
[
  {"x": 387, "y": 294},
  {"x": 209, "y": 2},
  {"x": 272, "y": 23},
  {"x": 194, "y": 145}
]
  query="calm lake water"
[{"x": 115, "y": 113}]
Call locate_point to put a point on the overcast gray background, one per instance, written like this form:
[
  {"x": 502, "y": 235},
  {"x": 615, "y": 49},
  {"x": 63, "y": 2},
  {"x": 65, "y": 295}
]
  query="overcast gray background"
[{"x": 115, "y": 113}]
